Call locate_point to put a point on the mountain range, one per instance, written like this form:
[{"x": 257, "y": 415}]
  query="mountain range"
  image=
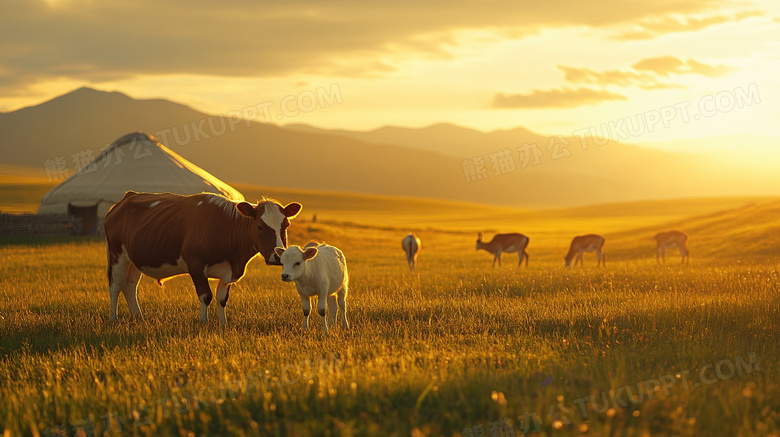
[{"x": 514, "y": 167}]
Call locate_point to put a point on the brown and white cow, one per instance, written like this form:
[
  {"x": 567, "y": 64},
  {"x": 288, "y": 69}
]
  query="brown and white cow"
[
  {"x": 508, "y": 243},
  {"x": 205, "y": 235},
  {"x": 671, "y": 240},
  {"x": 586, "y": 243}
]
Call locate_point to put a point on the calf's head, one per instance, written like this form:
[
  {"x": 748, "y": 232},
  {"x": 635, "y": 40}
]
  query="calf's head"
[
  {"x": 272, "y": 220},
  {"x": 293, "y": 261}
]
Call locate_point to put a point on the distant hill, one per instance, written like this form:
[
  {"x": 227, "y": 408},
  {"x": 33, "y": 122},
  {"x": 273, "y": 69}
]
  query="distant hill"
[
  {"x": 426, "y": 162},
  {"x": 448, "y": 139}
]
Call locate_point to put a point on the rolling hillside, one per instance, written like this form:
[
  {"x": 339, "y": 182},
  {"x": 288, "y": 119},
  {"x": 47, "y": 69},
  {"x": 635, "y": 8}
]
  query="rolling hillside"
[
  {"x": 728, "y": 229},
  {"x": 750, "y": 232},
  {"x": 424, "y": 162}
]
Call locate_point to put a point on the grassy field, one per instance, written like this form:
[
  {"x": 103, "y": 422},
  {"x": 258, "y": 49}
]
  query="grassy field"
[{"x": 456, "y": 348}]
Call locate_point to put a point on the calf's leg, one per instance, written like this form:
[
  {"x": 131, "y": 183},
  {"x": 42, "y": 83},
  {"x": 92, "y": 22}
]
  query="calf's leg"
[
  {"x": 322, "y": 307},
  {"x": 332, "y": 309},
  {"x": 306, "y": 303},
  {"x": 342, "y": 297}
]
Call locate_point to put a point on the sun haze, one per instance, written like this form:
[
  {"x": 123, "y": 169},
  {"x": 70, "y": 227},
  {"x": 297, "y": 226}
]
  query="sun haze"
[{"x": 552, "y": 67}]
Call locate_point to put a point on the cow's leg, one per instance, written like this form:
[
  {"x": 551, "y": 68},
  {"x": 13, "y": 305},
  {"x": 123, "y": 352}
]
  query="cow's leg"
[
  {"x": 579, "y": 260},
  {"x": 223, "y": 292},
  {"x": 600, "y": 254},
  {"x": 322, "y": 307},
  {"x": 203, "y": 289},
  {"x": 119, "y": 272},
  {"x": 342, "y": 298},
  {"x": 332, "y": 309},
  {"x": 498, "y": 256},
  {"x": 306, "y": 303},
  {"x": 131, "y": 291},
  {"x": 520, "y": 255}
]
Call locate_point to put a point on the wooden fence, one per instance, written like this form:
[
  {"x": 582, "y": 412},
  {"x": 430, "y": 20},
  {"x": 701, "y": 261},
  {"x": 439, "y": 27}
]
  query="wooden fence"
[{"x": 34, "y": 225}]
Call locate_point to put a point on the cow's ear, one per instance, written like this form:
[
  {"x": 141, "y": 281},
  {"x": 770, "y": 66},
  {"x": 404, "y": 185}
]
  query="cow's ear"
[
  {"x": 279, "y": 251},
  {"x": 310, "y": 253},
  {"x": 246, "y": 208},
  {"x": 292, "y": 209}
]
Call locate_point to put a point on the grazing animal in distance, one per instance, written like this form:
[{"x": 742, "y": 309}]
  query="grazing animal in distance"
[
  {"x": 205, "y": 235},
  {"x": 671, "y": 240},
  {"x": 318, "y": 270},
  {"x": 508, "y": 243},
  {"x": 411, "y": 246},
  {"x": 586, "y": 243}
]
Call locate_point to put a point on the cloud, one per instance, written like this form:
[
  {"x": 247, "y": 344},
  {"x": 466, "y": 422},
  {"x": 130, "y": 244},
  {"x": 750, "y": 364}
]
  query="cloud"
[
  {"x": 667, "y": 65},
  {"x": 555, "y": 98},
  {"x": 648, "y": 73},
  {"x": 604, "y": 78},
  {"x": 97, "y": 41},
  {"x": 653, "y": 27}
]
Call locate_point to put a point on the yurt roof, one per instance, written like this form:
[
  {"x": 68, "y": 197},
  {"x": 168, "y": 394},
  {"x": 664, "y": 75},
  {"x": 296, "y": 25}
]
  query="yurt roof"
[{"x": 138, "y": 162}]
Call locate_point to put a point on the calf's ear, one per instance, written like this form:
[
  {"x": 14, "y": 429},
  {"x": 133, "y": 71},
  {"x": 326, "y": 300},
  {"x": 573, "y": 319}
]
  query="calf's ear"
[
  {"x": 292, "y": 209},
  {"x": 279, "y": 251},
  {"x": 310, "y": 253},
  {"x": 246, "y": 209}
]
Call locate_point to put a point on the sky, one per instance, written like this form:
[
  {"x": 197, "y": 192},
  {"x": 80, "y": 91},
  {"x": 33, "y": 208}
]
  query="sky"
[{"x": 651, "y": 72}]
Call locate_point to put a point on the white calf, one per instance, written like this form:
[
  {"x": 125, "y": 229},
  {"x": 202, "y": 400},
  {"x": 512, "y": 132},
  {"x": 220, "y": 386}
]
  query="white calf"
[{"x": 317, "y": 271}]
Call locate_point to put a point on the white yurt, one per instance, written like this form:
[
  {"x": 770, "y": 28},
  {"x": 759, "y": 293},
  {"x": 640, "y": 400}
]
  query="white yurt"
[{"x": 136, "y": 161}]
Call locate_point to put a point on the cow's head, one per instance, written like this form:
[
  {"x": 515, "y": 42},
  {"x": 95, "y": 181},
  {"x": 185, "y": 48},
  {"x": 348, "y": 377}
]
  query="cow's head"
[{"x": 272, "y": 220}]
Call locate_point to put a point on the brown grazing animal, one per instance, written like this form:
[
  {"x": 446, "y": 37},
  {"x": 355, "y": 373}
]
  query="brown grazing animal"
[
  {"x": 411, "y": 246},
  {"x": 205, "y": 235},
  {"x": 508, "y": 243},
  {"x": 586, "y": 243},
  {"x": 671, "y": 240}
]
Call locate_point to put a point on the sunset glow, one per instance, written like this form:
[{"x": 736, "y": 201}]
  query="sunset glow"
[{"x": 552, "y": 68}]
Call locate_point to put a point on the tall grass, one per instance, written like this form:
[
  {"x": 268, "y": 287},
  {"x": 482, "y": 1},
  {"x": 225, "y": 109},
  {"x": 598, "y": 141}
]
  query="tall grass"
[{"x": 456, "y": 347}]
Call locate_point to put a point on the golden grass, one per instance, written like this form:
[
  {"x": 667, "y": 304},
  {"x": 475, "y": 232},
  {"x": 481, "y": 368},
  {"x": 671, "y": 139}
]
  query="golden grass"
[{"x": 446, "y": 350}]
